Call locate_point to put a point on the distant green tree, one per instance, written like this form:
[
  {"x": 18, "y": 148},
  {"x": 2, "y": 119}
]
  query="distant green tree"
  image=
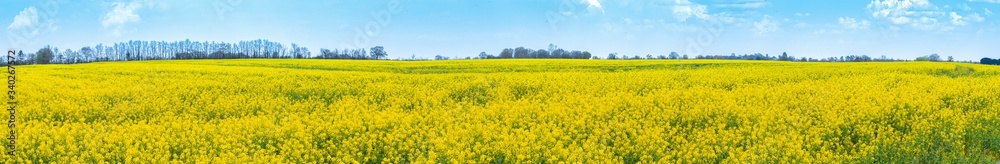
[{"x": 44, "y": 55}]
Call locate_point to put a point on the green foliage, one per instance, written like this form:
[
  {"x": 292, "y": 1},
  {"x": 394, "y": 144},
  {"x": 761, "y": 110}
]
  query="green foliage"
[{"x": 44, "y": 55}]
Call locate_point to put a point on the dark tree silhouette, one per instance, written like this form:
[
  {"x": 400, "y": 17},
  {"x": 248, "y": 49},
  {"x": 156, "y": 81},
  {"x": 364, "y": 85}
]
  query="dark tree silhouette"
[
  {"x": 989, "y": 61},
  {"x": 378, "y": 52},
  {"x": 44, "y": 55}
]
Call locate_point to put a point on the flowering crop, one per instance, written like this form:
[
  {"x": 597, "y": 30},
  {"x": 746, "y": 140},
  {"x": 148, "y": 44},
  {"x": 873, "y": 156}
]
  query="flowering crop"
[{"x": 507, "y": 111}]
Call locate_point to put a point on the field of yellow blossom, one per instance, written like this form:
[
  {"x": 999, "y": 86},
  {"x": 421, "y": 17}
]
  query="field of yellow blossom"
[{"x": 506, "y": 111}]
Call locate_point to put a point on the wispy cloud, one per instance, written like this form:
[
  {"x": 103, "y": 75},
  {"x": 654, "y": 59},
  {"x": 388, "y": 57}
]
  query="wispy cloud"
[
  {"x": 989, "y": 1},
  {"x": 851, "y": 23},
  {"x": 685, "y": 9},
  {"x": 743, "y": 4},
  {"x": 766, "y": 25},
  {"x": 595, "y": 5},
  {"x": 959, "y": 20},
  {"x": 120, "y": 15}
]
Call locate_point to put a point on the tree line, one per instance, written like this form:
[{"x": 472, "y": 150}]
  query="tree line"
[
  {"x": 376, "y": 52},
  {"x": 785, "y": 57},
  {"x": 553, "y": 52},
  {"x": 758, "y": 56},
  {"x": 989, "y": 61},
  {"x": 162, "y": 50}
]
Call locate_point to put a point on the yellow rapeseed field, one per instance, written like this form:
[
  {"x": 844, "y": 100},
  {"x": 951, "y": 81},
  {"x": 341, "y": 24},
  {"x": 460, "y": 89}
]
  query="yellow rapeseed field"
[{"x": 507, "y": 111}]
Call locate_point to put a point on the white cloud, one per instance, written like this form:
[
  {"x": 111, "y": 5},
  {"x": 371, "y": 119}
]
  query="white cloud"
[
  {"x": 899, "y": 20},
  {"x": 902, "y": 12},
  {"x": 30, "y": 23},
  {"x": 921, "y": 14},
  {"x": 851, "y": 23},
  {"x": 120, "y": 15},
  {"x": 27, "y": 17},
  {"x": 594, "y": 4},
  {"x": 987, "y": 11},
  {"x": 766, "y": 25},
  {"x": 802, "y": 14},
  {"x": 957, "y": 20},
  {"x": 927, "y": 23},
  {"x": 975, "y": 18},
  {"x": 685, "y": 9},
  {"x": 989, "y": 1},
  {"x": 743, "y": 4}
]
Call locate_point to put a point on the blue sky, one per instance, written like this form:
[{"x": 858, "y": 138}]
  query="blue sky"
[{"x": 966, "y": 29}]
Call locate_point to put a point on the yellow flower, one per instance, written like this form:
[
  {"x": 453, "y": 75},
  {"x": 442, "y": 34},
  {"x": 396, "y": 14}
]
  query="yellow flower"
[{"x": 510, "y": 111}]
